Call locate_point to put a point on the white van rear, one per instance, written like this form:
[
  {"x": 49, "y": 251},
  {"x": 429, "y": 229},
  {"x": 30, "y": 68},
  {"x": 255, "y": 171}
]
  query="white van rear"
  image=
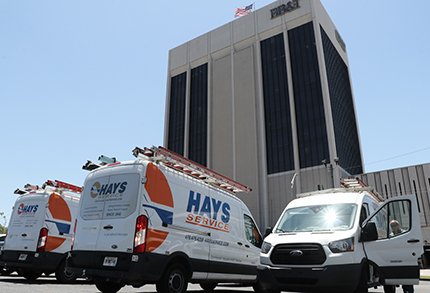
[
  {"x": 40, "y": 231},
  {"x": 145, "y": 222}
]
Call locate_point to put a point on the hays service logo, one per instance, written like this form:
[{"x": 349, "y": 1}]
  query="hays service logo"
[
  {"x": 107, "y": 189},
  {"x": 95, "y": 189},
  {"x": 208, "y": 212},
  {"x": 27, "y": 209}
]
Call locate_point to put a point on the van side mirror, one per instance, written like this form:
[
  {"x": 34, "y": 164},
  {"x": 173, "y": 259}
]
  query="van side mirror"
[
  {"x": 369, "y": 232},
  {"x": 268, "y": 231}
]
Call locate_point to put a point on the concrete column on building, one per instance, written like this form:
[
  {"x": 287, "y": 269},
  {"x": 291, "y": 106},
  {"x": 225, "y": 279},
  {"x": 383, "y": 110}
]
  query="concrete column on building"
[
  {"x": 333, "y": 169},
  {"x": 263, "y": 191}
]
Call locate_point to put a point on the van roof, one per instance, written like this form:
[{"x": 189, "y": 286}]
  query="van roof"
[
  {"x": 368, "y": 190},
  {"x": 330, "y": 196},
  {"x": 49, "y": 190}
]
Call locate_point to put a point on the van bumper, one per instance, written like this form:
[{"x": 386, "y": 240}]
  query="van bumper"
[
  {"x": 336, "y": 278},
  {"x": 31, "y": 261},
  {"x": 129, "y": 269}
]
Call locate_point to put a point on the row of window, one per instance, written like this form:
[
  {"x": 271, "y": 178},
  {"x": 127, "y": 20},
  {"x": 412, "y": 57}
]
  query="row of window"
[
  {"x": 197, "y": 143},
  {"x": 308, "y": 101}
]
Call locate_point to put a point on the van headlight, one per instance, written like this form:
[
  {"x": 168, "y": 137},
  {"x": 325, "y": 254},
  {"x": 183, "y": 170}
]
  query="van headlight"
[
  {"x": 265, "y": 247},
  {"x": 344, "y": 245}
]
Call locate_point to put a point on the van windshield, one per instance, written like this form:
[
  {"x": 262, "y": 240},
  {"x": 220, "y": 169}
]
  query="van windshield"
[
  {"x": 110, "y": 197},
  {"x": 317, "y": 218}
]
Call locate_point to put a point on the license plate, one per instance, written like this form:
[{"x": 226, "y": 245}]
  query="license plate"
[
  {"x": 22, "y": 257},
  {"x": 110, "y": 261}
]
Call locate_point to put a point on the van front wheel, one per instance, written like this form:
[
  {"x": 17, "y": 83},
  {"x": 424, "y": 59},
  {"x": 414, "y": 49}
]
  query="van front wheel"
[
  {"x": 389, "y": 289},
  {"x": 107, "y": 287},
  {"x": 208, "y": 287},
  {"x": 64, "y": 275},
  {"x": 173, "y": 281},
  {"x": 362, "y": 284}
]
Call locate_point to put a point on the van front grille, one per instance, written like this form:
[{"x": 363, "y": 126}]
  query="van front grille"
[{"x": 298, "y": 254}]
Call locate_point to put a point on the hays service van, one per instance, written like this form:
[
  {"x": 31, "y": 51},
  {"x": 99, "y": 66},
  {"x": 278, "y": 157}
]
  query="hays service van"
[
  {"x": 40, "y": 231},
  {"x": 157, "y": 220}
]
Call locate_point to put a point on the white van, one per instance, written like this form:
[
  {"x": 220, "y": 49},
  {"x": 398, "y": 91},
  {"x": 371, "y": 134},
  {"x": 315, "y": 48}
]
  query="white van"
[
  {"x": 166, "y": 220},
  {"x": 340, "y": 240},
  {"x": 40, "y": 231}
]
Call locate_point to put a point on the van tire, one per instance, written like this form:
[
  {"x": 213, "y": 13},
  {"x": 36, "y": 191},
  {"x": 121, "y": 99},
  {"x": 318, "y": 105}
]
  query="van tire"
[
  {"x": 107, "y": 287},
  {"x": 64, "y": 275},
  {"x": 208, "y": 287},
  {"x": 30, "y": 275},
  {"x": 362, "y": 283},
  {"x": 389, "y": 288},
  {"x": 174, "y": 280}
]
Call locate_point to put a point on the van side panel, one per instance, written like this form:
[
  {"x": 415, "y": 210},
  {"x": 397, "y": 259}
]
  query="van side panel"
[
  {"x": 172, "y": 209},
  {"x": 227, "y": 246},
  {"x": 60, "y": 218}
]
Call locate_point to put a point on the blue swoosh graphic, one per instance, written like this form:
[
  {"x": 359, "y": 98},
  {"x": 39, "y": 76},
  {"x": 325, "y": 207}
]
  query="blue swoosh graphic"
[{"x": 165, "y": 216}]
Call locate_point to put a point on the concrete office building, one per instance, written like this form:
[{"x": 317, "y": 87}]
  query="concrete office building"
[{"x": 266, "y": 100}]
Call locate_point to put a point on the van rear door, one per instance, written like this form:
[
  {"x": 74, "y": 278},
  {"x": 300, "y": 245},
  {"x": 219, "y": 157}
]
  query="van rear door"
[
  {"x": 27, "y": 219},
  {"x": 396, "y": 250},
  {"x": 109, "y": 211}
]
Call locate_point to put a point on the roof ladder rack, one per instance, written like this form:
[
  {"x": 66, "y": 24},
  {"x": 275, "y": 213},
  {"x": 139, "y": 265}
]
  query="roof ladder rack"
[
  {"x": 64, "y": 185},
  {"x": 357, "y": 183},
  {"x": 187, "y": 166}
]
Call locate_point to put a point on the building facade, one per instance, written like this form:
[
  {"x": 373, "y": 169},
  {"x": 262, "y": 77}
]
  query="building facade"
[
  {"x": 412, "y": 180},
  {"x": 266, "y": 100}
]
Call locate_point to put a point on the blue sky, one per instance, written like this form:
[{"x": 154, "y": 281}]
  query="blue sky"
[{"x": 83, "y": 78}]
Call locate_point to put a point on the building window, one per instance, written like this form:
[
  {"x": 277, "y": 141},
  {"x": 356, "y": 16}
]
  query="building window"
[
  {"x": 197, "y": 150},
  {"x": 416, "y": 195},
  {"x": 279, "y": 142},
  {"x": 342, "y": 108},
  {"x": 308, "y": 99},
  {"x": 386, "y": 191},
  {"x": 175, "y": 140}
]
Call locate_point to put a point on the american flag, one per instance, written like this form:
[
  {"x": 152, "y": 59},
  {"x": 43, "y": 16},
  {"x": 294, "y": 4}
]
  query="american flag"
[{"x": 243, "y": 11}]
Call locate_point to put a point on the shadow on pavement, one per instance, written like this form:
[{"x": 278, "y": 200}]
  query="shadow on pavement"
[{"x": 16, "y": 279}]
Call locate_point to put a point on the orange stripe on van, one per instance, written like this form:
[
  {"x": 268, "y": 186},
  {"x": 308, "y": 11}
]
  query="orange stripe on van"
[
  {"x": 157, "y": 186},
  {"x": 59, "y": 208},
  {"x": 54, "y": 242},
  {"x": 154, "y": 239}
]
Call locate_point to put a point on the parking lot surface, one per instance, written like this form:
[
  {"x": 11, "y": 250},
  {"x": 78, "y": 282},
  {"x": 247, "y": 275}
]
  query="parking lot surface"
[{"x": 14, "y": 284}]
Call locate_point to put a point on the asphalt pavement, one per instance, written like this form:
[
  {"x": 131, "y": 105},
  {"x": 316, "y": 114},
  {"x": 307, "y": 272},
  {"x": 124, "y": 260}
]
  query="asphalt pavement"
[{"x": 15, "y": 283}]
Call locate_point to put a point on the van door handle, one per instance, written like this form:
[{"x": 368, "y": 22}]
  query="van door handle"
[
  {"x": 240, "y": 243},
  {"x": 108, "y": 227},
  {"x": 24, "y": 235},
  {"x": 413, "y": 240},
  {"x": 246, "y": 245}
]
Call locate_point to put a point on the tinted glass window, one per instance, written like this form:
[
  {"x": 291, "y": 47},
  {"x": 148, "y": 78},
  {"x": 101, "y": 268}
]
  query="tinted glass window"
[
  {"x": 198, "y": 114},
  {"x": 342, "y": 107},
  {"x": 393, "y": 219},
  {"x": 177, "y": 113},
  {"x": 279, "y": 145},
  {"x": 308, "y": 99}
]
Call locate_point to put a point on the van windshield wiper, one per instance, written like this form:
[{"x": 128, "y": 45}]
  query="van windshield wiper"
[
  {"x": 322, "y": 231},
  {"x": 280, "y": 231}
]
